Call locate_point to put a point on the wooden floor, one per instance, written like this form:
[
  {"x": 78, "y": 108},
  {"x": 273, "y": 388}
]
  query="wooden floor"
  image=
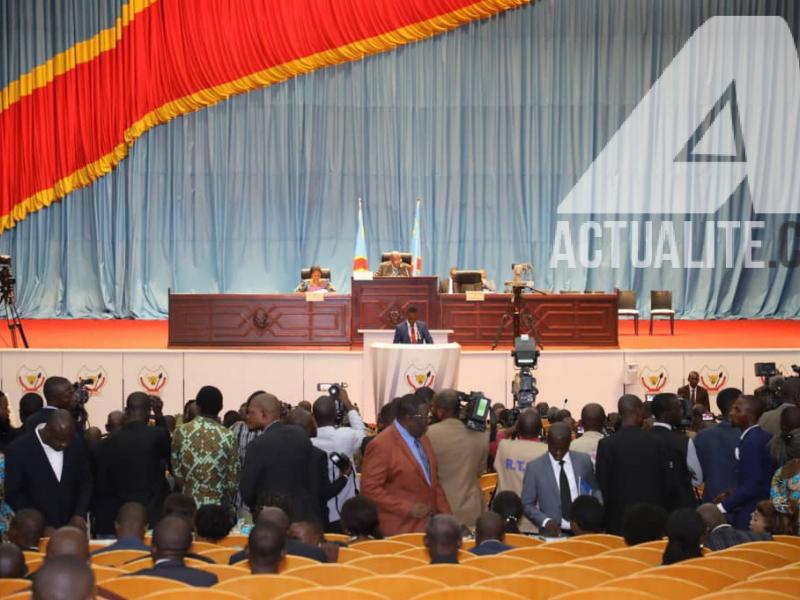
[{"x": 141, "y": 334}]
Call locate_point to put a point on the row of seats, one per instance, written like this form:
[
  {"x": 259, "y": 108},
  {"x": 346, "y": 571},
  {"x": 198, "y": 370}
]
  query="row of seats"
[{"x": 540, "y": 571}]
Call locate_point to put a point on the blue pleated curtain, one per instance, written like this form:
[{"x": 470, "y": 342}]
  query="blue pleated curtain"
[{"x": 491, "y": 125}]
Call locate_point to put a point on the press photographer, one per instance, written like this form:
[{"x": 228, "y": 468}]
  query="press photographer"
[
  {"x": 461, "y": 454},
  {"x": 59, "y": 392},
  {"x": 339, "y": 442}
]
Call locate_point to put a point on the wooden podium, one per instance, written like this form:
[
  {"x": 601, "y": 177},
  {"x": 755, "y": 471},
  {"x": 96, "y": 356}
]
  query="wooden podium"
[{"x": 382, "y": 303}]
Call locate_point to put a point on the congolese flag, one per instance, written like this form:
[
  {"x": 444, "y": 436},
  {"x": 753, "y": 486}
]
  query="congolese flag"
[
  {"x": 360, "y": 262},
  {"x": 416, "y": 252}
]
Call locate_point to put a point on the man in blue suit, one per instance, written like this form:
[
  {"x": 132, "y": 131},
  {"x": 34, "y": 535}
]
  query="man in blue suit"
[
  {"x": 716, "y": 449},
  {"x": 489, "y": 535},
  {"x": 553, "y": 481},
  {"x": 756, "y": 465},
  {"x": 412, "y": 331}
]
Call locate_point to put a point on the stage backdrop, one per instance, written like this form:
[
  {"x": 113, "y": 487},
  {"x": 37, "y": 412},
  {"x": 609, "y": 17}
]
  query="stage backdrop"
[{"x": 638, "y": 144}]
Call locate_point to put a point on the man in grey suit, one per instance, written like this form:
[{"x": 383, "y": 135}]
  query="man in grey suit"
[
  {"x": 554, "y": 480},
  {"x": 394, "y": 267}
]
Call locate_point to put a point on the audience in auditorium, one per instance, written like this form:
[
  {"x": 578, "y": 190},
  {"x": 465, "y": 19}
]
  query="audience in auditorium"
[
  {"x": 47, "y": 468},
  {"x": 756, "y": 466},
  {"x": 508, "y": 505},
  {"x": 205, "y": 459},
  {"x": 554, "y": 480},
  {"x": 716, "y": 449},
  {"x": 766, "y": 518},
  {"x": 490, "y": 535},
  {"x": 789, "y": 395},
  {"x": 586, "y": 515},
  {"x": 26, "y": 529},
  {"x": 400, "y": 472},
  {"x": 212, "y": 523},
  {"x": 172, "y": 538},
  {"x": 685, "y": 531},
  {"x": 632, "y": 466},
  {"x": 643, "y": 522},
  {"x": 461, "y": 455},
  {"x": 344, "y": 441},
  {"x": 266, "y": 548},
  {"x": 720, "y": 534},
  {"x": 12, "y": 562},
  {"x": 68, "y": 541},
  {"x": 443, "y": 539}
]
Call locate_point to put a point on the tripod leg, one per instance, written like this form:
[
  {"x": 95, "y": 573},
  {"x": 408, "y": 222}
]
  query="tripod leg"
[
  {"x": 10, "y": 323},
  {"x": 530, "y": 322},
  {"x": 504, "y": 320},
  {"x": 18, "y": 325}
]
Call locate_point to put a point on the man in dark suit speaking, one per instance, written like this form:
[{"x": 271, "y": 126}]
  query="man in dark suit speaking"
[
  {"x": 412, "y": 331},
  {"x": 696, "y": 394},
  {"x": 48, "y": 469}
]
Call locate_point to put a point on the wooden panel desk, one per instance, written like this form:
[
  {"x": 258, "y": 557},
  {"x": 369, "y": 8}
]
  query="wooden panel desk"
[
  {"x": 258, "y": 320},
  {"x": 382, "y": 303},
  {"x": 561, "y": 319}
]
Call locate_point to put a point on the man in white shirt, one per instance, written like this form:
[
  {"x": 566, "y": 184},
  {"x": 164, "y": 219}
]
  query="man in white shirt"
[
  {"x": 554, "y": 480},
  {"x": 593, "y": 420},
  {"x": 343, "y": 440}
]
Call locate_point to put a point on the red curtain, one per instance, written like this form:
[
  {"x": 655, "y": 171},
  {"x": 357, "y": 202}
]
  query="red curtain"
[{"x": 72, "y": 120}]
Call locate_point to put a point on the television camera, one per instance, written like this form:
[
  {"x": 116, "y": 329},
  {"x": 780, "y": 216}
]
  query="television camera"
[{"x": 8, "y": 299}]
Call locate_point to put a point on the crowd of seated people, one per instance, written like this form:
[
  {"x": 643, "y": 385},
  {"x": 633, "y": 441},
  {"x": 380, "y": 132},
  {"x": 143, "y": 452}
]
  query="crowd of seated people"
[{"x": 288, "y": 477}]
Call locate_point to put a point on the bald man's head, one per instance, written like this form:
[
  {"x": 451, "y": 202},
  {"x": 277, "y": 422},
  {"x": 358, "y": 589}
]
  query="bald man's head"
[
  {"x": 131, "y": 521},
  {"x": 629, "y": 407},
  {"x": 172, "y": 538},
  {"x": 137, "y": 406},
  {"x": 26, "y": 529},
  {"x": 303, "y": 419},
  {"x": 529, "y": 424},
  {"x": 711, "y": 515},
  {"x": 68, "y": 541},
  {"x": 324, "y": 411},
  {"x": 490, "y": 526},
  {"x": 12, "y": 562},
  {"x": 64, "y": 578},
  {"x": 273, "y": 514},
  {"x": 443, "y": 538},
  {"x": 266, "y": 548},
  {"x": 59, "y": 430}
]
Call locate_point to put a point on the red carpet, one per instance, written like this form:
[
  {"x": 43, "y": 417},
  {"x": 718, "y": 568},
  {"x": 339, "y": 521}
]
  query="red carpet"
[{"x": 133, "y": 334}]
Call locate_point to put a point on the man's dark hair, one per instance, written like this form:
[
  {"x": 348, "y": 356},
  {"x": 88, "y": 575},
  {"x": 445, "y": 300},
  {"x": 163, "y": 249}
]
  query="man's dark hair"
[
  {"x": 411, "y": 310},
  {"x": 213, "y": 522},
  {"x": 593, "y": 417},
  {"x": 408, "y": 406},
  {"x": 588, "y": 514},
  {"x": 29, "y": 404},
  {"x": 131, "y": 520},
  {"x": 756, "y": 405},
  {"x": 685, "y": 530},
  {"x": 231, "y": 417},
  {"x": 53, "y": 386},
  {"x": 490, "y": 526},
  {"x": 529, "y": 424},
  {"x": 359, "y": 516},
  {"x": 425, "y": 393},
  {"x": 209, "y": 401},
  {"x": 643, "y": 523},
  {"x": 509, "y": 506},
  {"x": 324, "y": 411},
  {"x": 447, "y": 401},
  {"x": 662, "y": 403},
  {"x": 64, "y": 578},
  {"x": 172, "y": 537},
  {"x": 387, "y": 413},
  {"x": 266, "y": 547},
  {"x": 68, "y": 541},
  {"x": 179, "y": 505},
  {"x": 12, "y": 562},
  {"x": 276, "y": 499},
  {"x": 790, "y": 390},
  {"x": 26, "y": 528},
  {"x": 443, "y": 538},
  {"x": 726, "y": 398}
]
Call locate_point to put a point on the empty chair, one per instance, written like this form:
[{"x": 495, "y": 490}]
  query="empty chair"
[
  {"x": 626, "y": 307},
  {"x": 542, "y": 555},
  {"x": 25, "y": 595},
  {"x": 192, "y": 594},
  {"x": 331, "y": 593},
  {"x": 790, "y": 571},
  {"x": 606, "y": 539},
  {"x": 607, "y": 594},
  {"x": 785, "y": 585},
  {"x": 102, "y": 573},
  {"x": 499, "y": 564},
  {"x": 264, "y": 587},
  {"x": 198, "y": 547},
  {"x": 651, "y": 556},
  {"x": 223, "y": 572},
  {"x": 659, "y": 544},
  {"x": 787, "y": 539},
  {"x": 533, "y": 587},
  {"x": 115, "y": 558},
  {"x": 579, "y": 547},
  {"x": 788, "y": 551},
  {"x": 665, "y": 586},
  {"x": 423, "y": 554},
  {"x": 330, "y": 575},
  {"x": 337, "y": 537},
  {"x": 747, "y": 595},
  {"x": 661, "y": 306},
  {"x": 469, "y": 593},
  {"x": 387, "y": 564},
  {"x": 346, "y": 554},
  {"x": 136, "y": 586},
  {"x": 733, "y": 566},
  {"x": 381, "y": 546},
  {"x": 708, "y": 578},
  {"x": 221, "y": 556},
  {"x": 236, "y": 541},
  {"x": 397, "y": 587},
  {"x": 416, "y": 538},
  {"x": 616, "y": 565},
  {"x": 579, "y": 575},
  {"x": 520, "y": 540},
  {"x": 13, "y": 585},
  {"x": 766, "y": 559},
  {"x": 451, "y": 574},
  {"x": 32, "y": 555}
]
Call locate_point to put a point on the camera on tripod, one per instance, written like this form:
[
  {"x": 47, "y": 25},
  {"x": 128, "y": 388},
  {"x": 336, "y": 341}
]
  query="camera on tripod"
[
  {"x": 8, "y": 299},
  {"x": 523, "y": 388},
  {"x": 334, "y": 389}
]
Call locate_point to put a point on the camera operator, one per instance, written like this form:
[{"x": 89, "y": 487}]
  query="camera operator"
[
  {"x": 789, "y": 395},
  {"x": 338, "y": 442},
  {"x": 59, "y": 392},
  {"x": 461, "y": 454}
]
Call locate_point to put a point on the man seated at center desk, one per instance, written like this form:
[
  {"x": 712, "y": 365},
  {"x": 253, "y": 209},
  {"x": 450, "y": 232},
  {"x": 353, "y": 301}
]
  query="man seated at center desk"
[
  {"x": 394, "y": 267},
  {"x": 412, "y": 331}
]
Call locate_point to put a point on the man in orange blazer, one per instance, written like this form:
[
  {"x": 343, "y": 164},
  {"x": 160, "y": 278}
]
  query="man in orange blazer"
[{"x": 400, "y": 473}]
